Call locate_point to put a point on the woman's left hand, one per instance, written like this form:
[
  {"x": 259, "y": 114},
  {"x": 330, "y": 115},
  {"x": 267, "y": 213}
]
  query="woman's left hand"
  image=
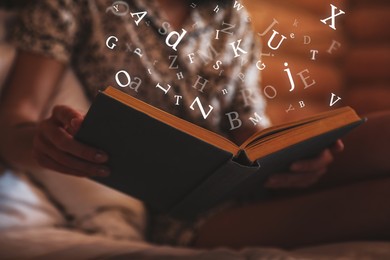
[{"x": 305, "y": 173}]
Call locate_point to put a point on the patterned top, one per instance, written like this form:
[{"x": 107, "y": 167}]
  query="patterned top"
[
  {"x": 77, "y": 32},
  {"x": 215, "y": 59}
]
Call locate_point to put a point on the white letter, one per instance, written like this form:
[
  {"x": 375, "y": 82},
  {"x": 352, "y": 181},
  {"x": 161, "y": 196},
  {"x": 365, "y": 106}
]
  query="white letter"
[
  {"x": 138, "y": 52},
  {"x": 171, "y": 66},
  {"x": 304, "y": 79},
  {"x": 137, "y": 84},
  {"x": 139, "y": 17},
  {"x": 292, "y": 83},
  {"x": 333, "y": 17},
  {"x": 178, "y": 99},
  {"x": 127, "y": 77},
  {"x": 217, "y": 65},
  {"x": 255, "y": 120},
  {"x": 269, "y": 28},
  {"x": 163, "y": 89},
  {"x": 202, "y": 84},
  {"x": 180, "y": 75},
  {"x": 178, "y": 40},
  {"x": 237, "y": 5},
  {"x": 273, "y": 37},
  {"x": 332, "y": 101},
  {"x": 191, "y": 56},
  {"x": 262, "y": 66},
  {"x": 235, "y": 119},
  {"x": 291, "y": 108},
  {"x": 201, "y": 108},
  {"x": 112, "y": 46},
  {"x": 306, "y": 40},
  {"x": 314, "y": 53},
  {"x": 335, "y": 45},
  {"x": 268, "y": 95},
  {"x": 247, "y": 95},
  {"x": 235, "y": 49}
]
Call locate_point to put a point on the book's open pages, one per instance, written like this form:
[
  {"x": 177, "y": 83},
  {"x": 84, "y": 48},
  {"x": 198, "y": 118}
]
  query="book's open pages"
[
  {"x": 276, "y": 138},
  {"x": 261, "y": 143}
]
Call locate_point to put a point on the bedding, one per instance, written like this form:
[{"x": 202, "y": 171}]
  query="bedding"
[
  {"x": 57, "y": 243},
  {"x": 31, "y": 226}
]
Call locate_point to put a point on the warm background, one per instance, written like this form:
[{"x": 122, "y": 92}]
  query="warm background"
[{"x": 358, "y": 72}]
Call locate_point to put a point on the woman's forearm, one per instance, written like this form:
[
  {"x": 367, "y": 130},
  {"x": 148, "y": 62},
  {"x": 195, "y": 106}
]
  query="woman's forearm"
[
  {"x": 26, "y": 93},
  {"x": 16, "y": 146}
]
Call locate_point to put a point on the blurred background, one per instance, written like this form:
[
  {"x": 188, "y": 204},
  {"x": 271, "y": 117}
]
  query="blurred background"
[
  {"x": 353, "y": 62},
  {"x": 357, "y": 70}
]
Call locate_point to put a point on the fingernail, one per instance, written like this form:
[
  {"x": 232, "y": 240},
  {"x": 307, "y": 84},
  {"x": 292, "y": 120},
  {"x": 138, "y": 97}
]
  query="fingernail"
[
  {"x": 103, "y": 172},
  {"x": 73, "y": 123},
  {"x": 101, "y": 157}
]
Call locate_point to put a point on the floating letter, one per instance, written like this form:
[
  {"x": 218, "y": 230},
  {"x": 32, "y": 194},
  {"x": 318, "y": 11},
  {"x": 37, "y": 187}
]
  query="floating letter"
[
  {"x": 178, "y": 40},
  {"x": 111, "y": 46},
  {"x": 272, "y": 38},
  {"x": 292, "y": 83},
  {"x": 197, "y": 101},
  {"x": 333, "y": 17},
  {"x": 332, "y": 101}
]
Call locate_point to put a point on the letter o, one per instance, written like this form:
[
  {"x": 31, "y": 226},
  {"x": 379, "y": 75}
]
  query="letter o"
[
  {"x": 127, "y": 77},
  {"x": 267, "y": 94}
]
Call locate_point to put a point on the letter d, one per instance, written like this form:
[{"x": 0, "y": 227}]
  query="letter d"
[{"x": 178, "y": 40}]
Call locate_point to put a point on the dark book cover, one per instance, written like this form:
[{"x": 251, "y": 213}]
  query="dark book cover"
[
  {"x": 149, "y": 160},
  {"x": 174, "y": 172}
]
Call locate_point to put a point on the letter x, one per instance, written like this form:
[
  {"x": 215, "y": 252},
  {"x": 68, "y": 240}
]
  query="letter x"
[{"x": 333, "y": 17}]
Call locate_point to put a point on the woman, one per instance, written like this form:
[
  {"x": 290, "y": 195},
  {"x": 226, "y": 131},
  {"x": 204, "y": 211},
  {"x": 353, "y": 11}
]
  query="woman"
[{"x": 54, "y": 34}]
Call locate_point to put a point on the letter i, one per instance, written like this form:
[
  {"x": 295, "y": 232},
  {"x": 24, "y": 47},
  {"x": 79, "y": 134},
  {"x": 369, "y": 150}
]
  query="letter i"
[{"x": 289, "y": 76}]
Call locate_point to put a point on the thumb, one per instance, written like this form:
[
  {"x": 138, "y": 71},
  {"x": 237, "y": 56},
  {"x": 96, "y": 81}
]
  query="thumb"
[
  {"x": 74, "y": 126},
  {"x": 68, "y": 118}
]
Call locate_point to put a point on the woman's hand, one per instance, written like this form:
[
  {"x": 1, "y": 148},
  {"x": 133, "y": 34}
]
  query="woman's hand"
[
  {"x": 306, "y": 172},
  {"x": 55, "y": 148}
]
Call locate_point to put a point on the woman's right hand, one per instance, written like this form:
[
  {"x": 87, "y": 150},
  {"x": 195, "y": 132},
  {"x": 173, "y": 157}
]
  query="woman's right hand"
[{"x": 54, "y": 146}]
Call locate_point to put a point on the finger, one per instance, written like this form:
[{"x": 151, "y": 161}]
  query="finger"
[
  {"x": 75, "y": 124},
  {"x": 64, "y": 116},
  {"x": 314, "y": 164},
  {"x": 337, "y": 147},
  {"x": 66, "y": 143},
  {"x": 49, "y": 163},
  {"x": 86, "y": 168}
]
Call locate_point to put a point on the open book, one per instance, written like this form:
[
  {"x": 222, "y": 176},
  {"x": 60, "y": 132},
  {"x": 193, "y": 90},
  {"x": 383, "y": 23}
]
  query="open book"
[{"x": 182, "y": 169}]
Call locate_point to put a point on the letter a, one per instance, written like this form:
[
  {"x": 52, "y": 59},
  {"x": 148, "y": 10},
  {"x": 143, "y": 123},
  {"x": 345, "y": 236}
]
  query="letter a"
[{"x": 140, "y": 16}]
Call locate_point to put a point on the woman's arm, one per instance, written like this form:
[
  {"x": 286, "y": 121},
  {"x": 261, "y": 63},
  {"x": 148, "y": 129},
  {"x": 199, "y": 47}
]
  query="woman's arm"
[
  {"x": 28, "y": 89},
  {"x": 27, "y": 141}
]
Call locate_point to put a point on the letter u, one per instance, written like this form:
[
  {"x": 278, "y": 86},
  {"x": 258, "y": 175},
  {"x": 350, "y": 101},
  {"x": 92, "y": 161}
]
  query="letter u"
[{"x": 273, "y": 37}]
